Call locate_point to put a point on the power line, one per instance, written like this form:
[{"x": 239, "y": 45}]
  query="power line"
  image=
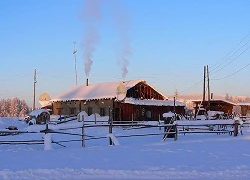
[
  {"x": 191, "y": 86},
  {"x": 232, "y": 73},
  {"x": 224, "y": 60},
  {"x": 218, "y": 64},
  {"x": 232, "y": 59}
]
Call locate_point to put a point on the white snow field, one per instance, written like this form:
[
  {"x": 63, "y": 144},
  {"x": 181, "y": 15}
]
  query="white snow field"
[{"x": 193, "y": 156}]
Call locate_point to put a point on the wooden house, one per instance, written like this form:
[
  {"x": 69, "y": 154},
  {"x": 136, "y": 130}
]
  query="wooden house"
[
  {"x": 215, "y": 105},
  {"x": 244, "y": 108},
  {"x": 126, "y": 101}
]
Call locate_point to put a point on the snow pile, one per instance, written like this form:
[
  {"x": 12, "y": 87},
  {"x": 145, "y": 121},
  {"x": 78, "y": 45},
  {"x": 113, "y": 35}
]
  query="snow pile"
[
  {"x": 47, "y": 142},
  {"x": 113, "y": 139},
  {"x": 169, "y": 114}
]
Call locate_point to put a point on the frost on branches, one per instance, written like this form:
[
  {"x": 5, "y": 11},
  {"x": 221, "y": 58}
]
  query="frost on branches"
[{"x": 13, "y": 108}]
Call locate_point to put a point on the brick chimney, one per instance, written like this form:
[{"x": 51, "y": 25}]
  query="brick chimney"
[{"x": 87, "y": 82}]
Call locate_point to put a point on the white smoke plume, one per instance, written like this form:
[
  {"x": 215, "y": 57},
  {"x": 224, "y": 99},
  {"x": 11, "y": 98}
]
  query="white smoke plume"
[
  {"x": 92, "y": 16},
  {"x": 123, "y": 26}
]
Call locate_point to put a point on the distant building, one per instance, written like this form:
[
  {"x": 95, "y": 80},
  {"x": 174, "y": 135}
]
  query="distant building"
[
  {"x": 215, "y": 105},
  {"x": 129, "y": 100},
  {"x": 244, "y": 108}
]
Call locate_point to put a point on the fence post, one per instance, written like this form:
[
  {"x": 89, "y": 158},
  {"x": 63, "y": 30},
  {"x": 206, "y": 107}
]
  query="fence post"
[
  {"x": 109, "y": 115},
  {"x": 46, "y": 128},
  {"x": 47, "y": 139},
  {"x": 95, "y": 117},
  {"x": 159, "y": 121},
  {"x": 176, "y": 132},
  {"x": 83, "y": 142},
  {"x": 110, "y": 129}
]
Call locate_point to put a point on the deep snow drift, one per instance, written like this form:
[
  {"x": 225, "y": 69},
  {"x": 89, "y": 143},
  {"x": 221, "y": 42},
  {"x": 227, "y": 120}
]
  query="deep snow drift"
[{"x": 192, "y": 156}]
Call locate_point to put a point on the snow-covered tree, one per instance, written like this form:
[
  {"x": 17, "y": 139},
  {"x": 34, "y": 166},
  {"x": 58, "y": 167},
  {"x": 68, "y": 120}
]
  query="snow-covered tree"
[
  {"x": 24, "y": 109},
  {"x": 13, "y": 108},
  {"x": 227, "y": 97},
  {"x": 5, "y": 104},
  {"x": 247, "y": 99}
]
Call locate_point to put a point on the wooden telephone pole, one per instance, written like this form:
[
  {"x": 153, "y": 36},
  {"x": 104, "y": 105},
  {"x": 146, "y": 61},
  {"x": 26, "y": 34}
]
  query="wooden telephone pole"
[
  {"x": 208, "y": 90},
  {"x": 206, "y": 75},
  {"x": 34, "y": 97},
  {"x": 204, "y": 86}
]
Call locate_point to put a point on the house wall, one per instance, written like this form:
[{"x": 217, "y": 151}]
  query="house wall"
[
  {"x": 65, "y": 107},
  {"x": 121, "y": 111},
  {"x": 129, "y": 112},
  {"x": 97, "y": 105},
  {"x": 74, "y": 107}
]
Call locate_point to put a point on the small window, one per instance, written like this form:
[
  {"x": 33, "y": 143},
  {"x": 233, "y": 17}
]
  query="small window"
[
  {"x": 59, "y": 111},
  {"x": 73, "y": 111},
  {"x": 90, "y": 111},
  {"x": 102, "y": 112},
  {"x": 149, "y": 114}
]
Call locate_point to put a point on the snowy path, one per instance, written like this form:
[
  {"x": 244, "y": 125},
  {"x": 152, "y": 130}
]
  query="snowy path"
[
  {"x": 75, "y": 174},
  {"x": 192, "y": 156},
  {"x": 224, "y": 158}
]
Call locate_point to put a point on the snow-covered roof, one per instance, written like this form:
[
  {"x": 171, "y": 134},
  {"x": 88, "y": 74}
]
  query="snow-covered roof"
[
  {"x": 45, "y": 103},
  {"x": 243, "y": 104},
  {"x": 211, "y": 100},
  {"x": 38, "y": 112},
  {"x": 106, "y": 90},
  {"x": 153, "y": 102}
]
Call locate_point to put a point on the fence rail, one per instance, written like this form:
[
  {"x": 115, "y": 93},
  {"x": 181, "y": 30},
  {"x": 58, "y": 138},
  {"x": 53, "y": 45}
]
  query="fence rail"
[{"x": 169, "y": 130}]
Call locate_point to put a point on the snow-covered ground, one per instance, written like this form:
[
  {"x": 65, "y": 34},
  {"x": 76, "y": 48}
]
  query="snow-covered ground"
[{"x": 192, "y": 156}]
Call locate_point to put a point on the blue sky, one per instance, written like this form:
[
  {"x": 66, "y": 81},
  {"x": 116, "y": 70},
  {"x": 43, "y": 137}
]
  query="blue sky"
[{"x": 170, "y": 42}]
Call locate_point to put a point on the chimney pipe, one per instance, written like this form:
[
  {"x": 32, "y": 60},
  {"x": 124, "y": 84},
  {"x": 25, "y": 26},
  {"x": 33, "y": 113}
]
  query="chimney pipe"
[{"x": 87, "y": 82}]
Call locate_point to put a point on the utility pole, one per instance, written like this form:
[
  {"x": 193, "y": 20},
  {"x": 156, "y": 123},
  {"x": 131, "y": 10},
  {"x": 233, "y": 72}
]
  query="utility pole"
[
  {"x": 34, "y": 97},
  {"x": 204, "y": 86},
  {"x": 208, "y": 89},
  {"x": 74, "y": 52}
]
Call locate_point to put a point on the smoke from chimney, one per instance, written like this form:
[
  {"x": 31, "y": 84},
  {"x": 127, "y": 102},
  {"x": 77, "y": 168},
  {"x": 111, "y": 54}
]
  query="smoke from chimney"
[
  {"x": 92, "y": 16},
  {"x": 122, "y": 24},
  {"x": 91, "y": 19}
]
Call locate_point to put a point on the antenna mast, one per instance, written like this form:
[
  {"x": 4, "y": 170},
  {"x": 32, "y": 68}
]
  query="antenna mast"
[
  {"x": 74, "y": 52},
  {"x": 34, "y": 97}
]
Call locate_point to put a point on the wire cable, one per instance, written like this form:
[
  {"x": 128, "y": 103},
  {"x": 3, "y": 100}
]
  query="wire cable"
[
  {"x": 218, "y": 64},
  {"x": 232, "y": 60},
  {"x": 192, "y": 86},
  {"x": 232, "y": 73}
]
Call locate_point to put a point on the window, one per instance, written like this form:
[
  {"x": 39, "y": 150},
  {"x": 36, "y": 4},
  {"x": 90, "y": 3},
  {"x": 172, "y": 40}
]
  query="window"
[
  {"x": 90, "y": 111},
  {"x": 102, "y": 112},
  {"x": 149, "y": 114},
  {"x": 73, "y": 111},
  {"x": 59, "y": 111}
]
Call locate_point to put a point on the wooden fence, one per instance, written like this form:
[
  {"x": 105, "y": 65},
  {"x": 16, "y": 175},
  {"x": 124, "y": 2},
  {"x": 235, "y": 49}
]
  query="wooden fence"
[{"x": 166, "y": 131}]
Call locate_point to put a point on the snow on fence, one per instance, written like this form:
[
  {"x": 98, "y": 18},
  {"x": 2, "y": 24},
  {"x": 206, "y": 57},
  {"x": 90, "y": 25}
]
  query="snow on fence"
[{"x": 170, "y": 130}]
